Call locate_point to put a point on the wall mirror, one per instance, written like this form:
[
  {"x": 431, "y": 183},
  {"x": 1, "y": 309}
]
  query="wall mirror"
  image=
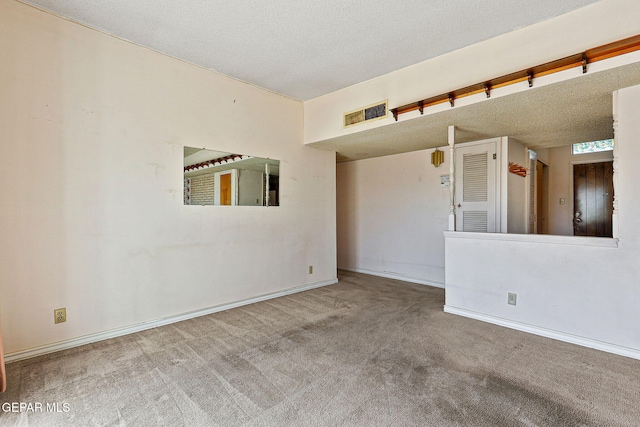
[{"x": 228, "y": 179}]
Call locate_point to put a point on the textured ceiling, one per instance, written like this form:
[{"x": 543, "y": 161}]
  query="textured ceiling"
[{"x": 305, "y": 49}]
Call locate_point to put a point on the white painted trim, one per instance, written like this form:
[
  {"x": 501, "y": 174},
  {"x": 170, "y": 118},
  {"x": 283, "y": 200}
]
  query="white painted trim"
[
  {"x": 394, "y": 276},
  {"x": 548, "y": 333},
  {"x": 531, "y": 175},
  {"x": 451, "y": 139},
  {"x": 616, "y": 165},
  {"x": 604, "y": 242},
  {"x": 114, "y": 333},
  {"x": 502, "y": 188}
]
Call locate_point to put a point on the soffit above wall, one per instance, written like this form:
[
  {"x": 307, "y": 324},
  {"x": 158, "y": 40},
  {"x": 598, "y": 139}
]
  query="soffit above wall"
[
  {"x": 307, "y": 49},
  {"x": 575, "y": 110}
]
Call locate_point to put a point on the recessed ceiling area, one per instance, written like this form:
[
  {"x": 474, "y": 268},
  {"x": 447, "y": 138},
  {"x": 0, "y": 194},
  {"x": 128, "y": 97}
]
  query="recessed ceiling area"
[
  {"x": 306, "y": 49},
  {"x": 575, "y": 110}
]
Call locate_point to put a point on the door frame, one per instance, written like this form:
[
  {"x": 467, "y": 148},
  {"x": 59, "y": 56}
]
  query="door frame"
[
  {"x": 542, "y": 196},
  {"x": 531, "y": 208}
]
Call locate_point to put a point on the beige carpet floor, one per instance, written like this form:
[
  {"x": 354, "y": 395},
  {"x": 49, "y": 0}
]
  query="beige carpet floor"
[{"x": 365, "y": 352}]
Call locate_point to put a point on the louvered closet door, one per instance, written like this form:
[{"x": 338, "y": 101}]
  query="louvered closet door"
[{"x": 476, "y": 188}]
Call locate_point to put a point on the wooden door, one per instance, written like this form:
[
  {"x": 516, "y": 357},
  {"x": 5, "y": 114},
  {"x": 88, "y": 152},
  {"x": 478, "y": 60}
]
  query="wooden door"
[
  {"x": 593, "y": 199},
  {"x": 225, "y": 189}
]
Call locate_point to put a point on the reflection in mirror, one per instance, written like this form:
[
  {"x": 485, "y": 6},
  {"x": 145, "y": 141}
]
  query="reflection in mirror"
[{"x": 219, "y": 178}]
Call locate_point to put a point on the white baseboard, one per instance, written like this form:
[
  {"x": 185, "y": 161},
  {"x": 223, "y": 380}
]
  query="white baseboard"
[
  {"x": 394, "y": 276},
  {"x": 548, "y": 333},
  {"x": 114, "y": 333}
]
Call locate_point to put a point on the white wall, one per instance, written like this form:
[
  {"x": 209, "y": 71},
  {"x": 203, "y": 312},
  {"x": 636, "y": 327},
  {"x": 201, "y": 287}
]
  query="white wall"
[
  {"x": 250, "y": 187},
  {"x": 529, "y": 46},
  {"x": 391, "y": 214},
  {"x": 561, "y": 161},
  {"x": 392, "y": 210},
  {"x": 91, "y": 216},
  {"x": 567, "y": 287},
  {"x": 543, "y": 155}
]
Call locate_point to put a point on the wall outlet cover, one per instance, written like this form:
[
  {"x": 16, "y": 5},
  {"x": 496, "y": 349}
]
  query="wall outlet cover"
[
  {"x": 512, "y": 298},
  {"x": 59, "y": 315}
]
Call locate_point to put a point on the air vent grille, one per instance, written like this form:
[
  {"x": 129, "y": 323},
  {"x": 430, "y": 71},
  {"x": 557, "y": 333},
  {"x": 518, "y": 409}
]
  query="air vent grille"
[
  {"x": 365, "y": 114},
  {"x": 354, "y": 118}
]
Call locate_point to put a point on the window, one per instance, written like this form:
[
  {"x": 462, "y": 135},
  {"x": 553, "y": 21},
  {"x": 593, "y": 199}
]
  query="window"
[{"x": 593, "y": 146}]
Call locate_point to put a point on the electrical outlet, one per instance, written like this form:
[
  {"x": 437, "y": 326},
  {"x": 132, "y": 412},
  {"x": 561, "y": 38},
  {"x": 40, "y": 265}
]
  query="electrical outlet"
[
  {"x": 512, "y": 298},
  {"x": 311, "y": 269},
  {"x": 59, "y": 315}
]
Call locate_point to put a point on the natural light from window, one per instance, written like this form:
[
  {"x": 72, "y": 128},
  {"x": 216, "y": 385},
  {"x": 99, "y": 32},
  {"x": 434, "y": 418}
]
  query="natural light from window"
[{"x": 593, "y": 146}]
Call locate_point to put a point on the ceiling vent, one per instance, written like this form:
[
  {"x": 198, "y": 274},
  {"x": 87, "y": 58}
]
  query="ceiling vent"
[{"x": 366, "y": 114}]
